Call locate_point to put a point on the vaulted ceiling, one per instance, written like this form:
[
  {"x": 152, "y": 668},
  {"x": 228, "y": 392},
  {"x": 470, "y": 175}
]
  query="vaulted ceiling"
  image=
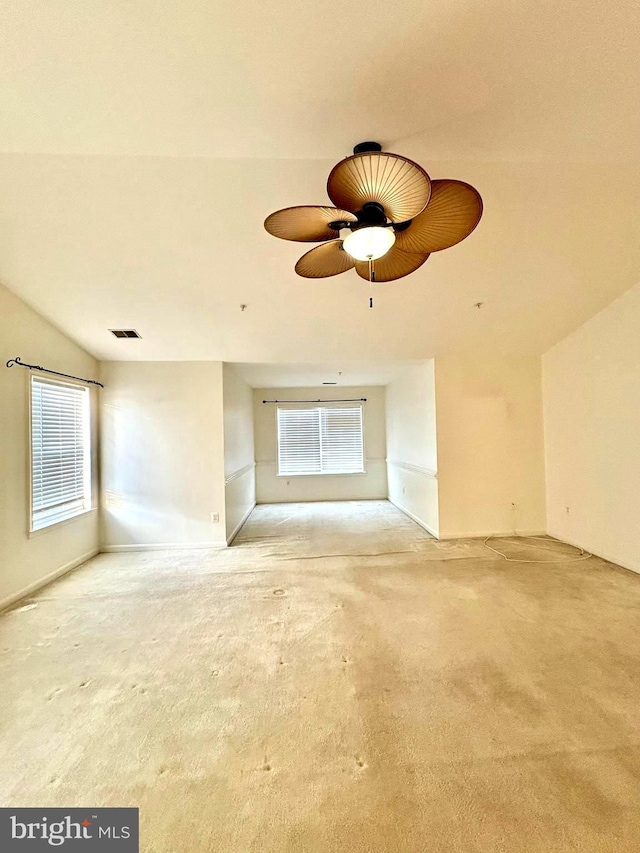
[{"x": 143, "y": 144}]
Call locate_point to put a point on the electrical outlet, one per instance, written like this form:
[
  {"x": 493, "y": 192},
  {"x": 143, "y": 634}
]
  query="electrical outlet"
[
  {"x": 215, "y": 517},
  {"x": 567, "y": 510}
]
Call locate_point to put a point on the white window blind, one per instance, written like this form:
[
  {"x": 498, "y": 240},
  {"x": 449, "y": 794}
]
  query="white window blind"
[
  {"x": 320, "y": 440},
  {"x": 60, "y": 451}
]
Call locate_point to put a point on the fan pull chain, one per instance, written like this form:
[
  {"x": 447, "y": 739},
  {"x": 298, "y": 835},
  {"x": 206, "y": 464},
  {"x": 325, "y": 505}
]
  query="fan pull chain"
[{"x": 371, "y": 281}]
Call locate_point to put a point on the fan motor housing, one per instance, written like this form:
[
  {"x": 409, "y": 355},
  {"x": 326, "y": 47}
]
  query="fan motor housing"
[
  {"x": 371, "y": 213},
  {"x": 366, "y": 147}
]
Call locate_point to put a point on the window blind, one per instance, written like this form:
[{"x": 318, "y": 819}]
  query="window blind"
[
  {"x": 60, "y": 451},
  {"x": 320, "y": 440}
]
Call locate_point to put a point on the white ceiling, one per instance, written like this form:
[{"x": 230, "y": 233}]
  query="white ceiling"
[
  {"x": 343, "y": 374},
  {"x": 143, "y": 144}
]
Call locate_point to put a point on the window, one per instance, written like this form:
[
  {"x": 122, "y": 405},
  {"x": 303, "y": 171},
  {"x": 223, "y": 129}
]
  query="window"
[
  {"x": 322, "y": 440},
  {"x": 60, "y": 452}
]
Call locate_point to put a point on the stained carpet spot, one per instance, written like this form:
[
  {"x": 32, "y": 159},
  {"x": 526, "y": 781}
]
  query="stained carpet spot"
[{"x": 278, "y": 592}]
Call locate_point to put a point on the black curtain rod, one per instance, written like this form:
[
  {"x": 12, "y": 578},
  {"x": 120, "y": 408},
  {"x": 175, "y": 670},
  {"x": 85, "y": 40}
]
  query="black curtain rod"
[
  {"x": 358, "y": 400},
  {"x": 17, "y": 361}
]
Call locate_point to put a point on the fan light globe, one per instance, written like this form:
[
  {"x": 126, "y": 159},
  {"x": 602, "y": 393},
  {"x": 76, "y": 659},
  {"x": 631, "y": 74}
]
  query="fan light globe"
[{"x": 369, "y": 243}]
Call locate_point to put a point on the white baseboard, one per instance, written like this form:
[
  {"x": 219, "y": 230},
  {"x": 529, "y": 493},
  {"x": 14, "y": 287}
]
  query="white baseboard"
[
  {"x": 240, "y": 524},
  {"x": 415, "y": 518},
  {"x": 600, "y": 554},
  {"x": 262, "y": 502},
  {"x": 47, "y": 579},
  {"x": 162, "y": 546},
  {"x": 499, "y": 534}
]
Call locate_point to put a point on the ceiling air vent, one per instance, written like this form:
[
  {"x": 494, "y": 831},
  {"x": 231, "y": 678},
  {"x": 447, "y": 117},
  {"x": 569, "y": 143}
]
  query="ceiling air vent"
[{"x": 125, "y": 333}]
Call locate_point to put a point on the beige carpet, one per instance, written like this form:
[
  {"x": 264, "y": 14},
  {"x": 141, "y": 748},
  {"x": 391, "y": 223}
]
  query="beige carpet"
[{"x": 338, "y": 681}]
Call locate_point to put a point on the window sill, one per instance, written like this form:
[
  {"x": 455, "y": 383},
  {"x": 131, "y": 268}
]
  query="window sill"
[
  {"x": 296, "y": 476},
  {"x": 56, "y": 524}
]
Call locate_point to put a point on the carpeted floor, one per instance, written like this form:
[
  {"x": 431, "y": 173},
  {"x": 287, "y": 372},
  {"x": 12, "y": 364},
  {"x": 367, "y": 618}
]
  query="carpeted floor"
[{"x": 337, "y": 681}]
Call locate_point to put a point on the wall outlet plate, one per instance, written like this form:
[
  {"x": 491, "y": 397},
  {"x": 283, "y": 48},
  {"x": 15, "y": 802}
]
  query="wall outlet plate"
[{"x": 215, "y": 518}]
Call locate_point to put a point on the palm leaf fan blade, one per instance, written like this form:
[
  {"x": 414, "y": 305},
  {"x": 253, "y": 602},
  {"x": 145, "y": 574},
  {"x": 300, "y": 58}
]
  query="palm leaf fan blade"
[
  {"x": 306, "y": 223},
  {"x": 324, "y": 261},
  {"x": 454, "y": 210},
  {"x": 401, "y": 186}
]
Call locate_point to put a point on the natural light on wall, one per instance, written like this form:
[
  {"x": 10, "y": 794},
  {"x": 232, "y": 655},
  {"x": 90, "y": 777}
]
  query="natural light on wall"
[
  {"x": 320, "y": 440},
  {"x": 60, "y": 451}
]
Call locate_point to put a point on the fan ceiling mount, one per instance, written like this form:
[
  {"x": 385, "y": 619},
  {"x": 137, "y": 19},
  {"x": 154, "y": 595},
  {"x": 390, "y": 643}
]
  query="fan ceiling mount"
[{"x": 388, "y": 217}]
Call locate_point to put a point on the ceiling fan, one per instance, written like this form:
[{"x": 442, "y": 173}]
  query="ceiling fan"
[{"x": 389, "y": 216}]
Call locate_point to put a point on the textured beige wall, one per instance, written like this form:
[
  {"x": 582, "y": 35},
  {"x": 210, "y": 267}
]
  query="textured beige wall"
[
  {"x": 411, "y": 444},
  {"x": 490, "y": 445},
  {"x": 591, "y": 386},
  {"x": 273, "y": 489},
  {"x": 239, "y": 467},
  {"x": 162, "y": 454},
  {"x": 25, "y": 561}
]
